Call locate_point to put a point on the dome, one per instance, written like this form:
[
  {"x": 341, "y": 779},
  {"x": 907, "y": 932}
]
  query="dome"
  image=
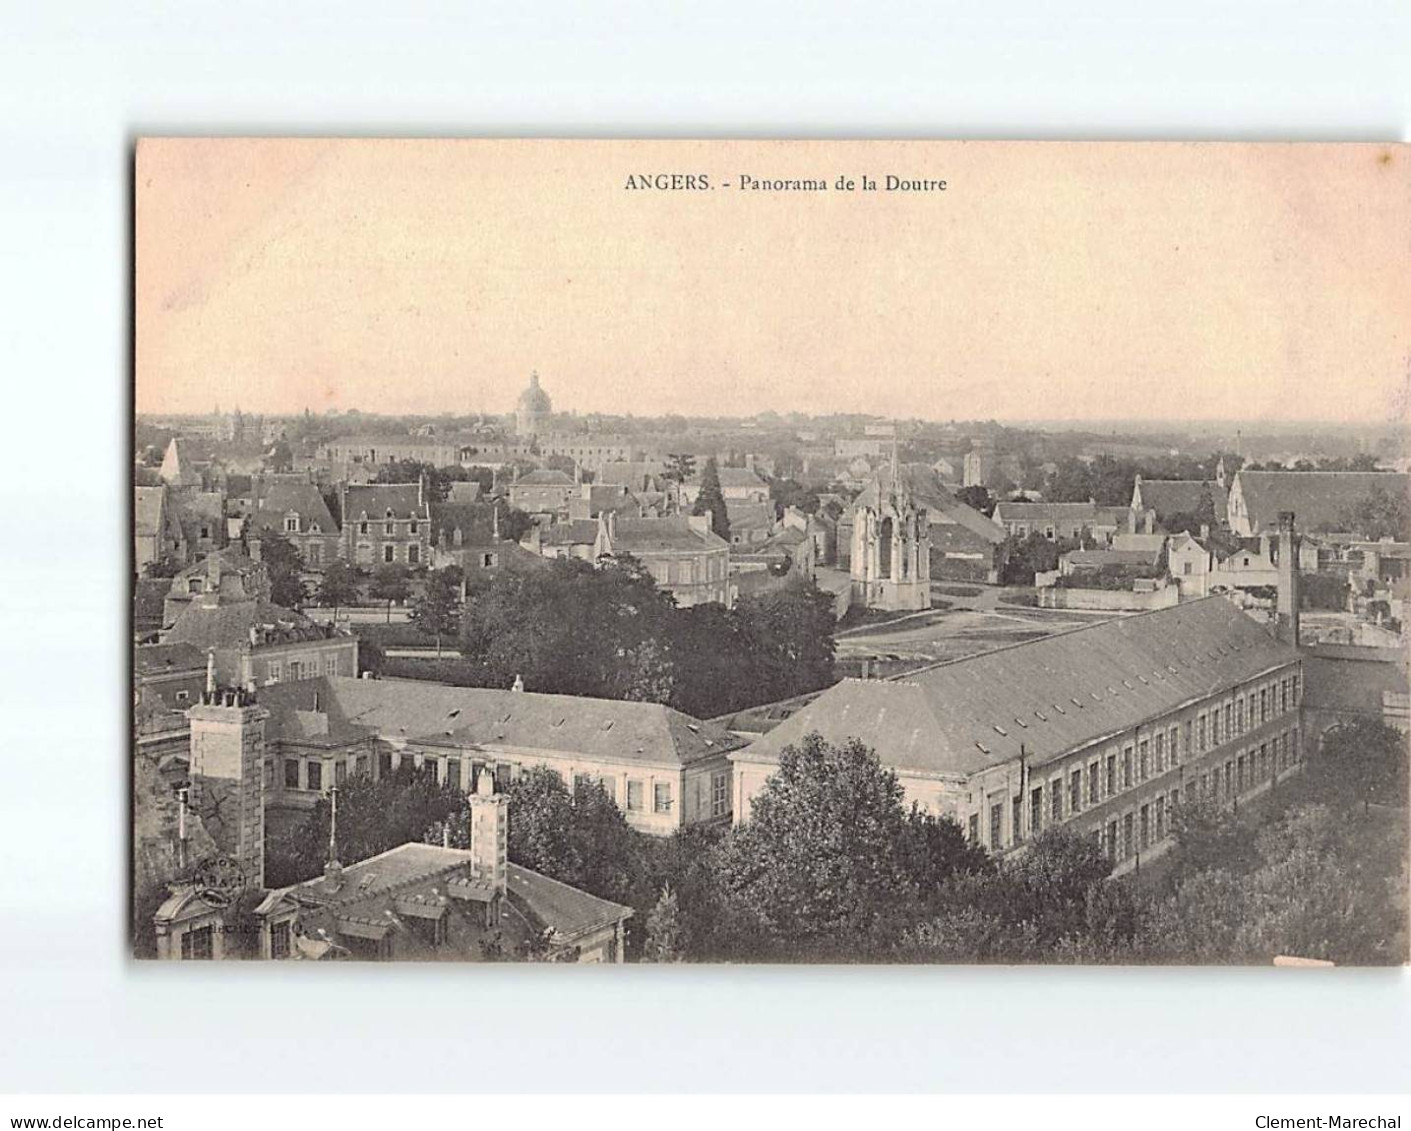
[{"x": 534, "y": 399}]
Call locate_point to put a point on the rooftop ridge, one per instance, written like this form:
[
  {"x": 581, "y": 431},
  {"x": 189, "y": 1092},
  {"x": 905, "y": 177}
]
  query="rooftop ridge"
[{"x": 901, "y": 677}]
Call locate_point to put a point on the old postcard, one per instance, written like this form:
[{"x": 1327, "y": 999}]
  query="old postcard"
[{"x": 828, "y": 551}]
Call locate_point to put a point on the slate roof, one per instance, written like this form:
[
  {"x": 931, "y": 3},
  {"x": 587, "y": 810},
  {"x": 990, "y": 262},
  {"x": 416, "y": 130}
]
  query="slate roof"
[
  {"x": 280, "y": 494},
  {"x": 161, "y": 659},
  {"x": 635, "y": 476},
  {"x": 475, "y": 521},
  {"x": 661, "y": 535},
  {"x": 733, "y": 477},
  {"x": 376, "y": 499},
  {"x": 148, "y": 510},
  {"x": 1044, "y": 512},
  {"x": 464, "y": 493},
  {"x": 545, "y": 477},
  {"x": 434, "y": 714},
  {"x": 403, "y": 877},
  {"x": 1151, "y": 543},
  {"x": 1052, "y": 695},
  {"x": 744, "y": 515},
  {"x": 208, "y": 625},
  {"x": 578, "y": 532},
  {"x": 1317, "y": 498},
  {"x": 1339, "y": 680},
  {"x": 1182, "y": 496}
]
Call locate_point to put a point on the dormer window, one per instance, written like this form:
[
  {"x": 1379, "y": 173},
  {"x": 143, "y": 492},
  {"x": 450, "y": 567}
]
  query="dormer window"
[
  {"x": 193, "y": 585},
  {"x": 413, "y": 528},
  {"x": 291, "y": 523},
  {"x": 363, "y": 527}
]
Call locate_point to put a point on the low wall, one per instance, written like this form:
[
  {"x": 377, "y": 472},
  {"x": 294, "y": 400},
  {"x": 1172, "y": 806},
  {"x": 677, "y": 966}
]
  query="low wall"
[{"x": 1108, "y": 600}]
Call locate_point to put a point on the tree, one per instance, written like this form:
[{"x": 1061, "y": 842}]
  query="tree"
[
  {"x": 391, "y": 583},
  {"x": 284, "y": 568},
  {"x": 664, "y": 929},
  {"x": 437, "y": 611},
  {"x": 819, "y": 866},
  {"x": 977, "y": 498},
  {"x": 1380, "y": 514},
  {"x": 1362, "y": 762},
  {"x": 711, "y": 501},
  {"x": 338, "y": 588},
  {"x": 578, "y": 837},
  {"x": 572, "y": 628},
  {"x": 373, "y": 816},
  {"x": 514, "y": 523},
  {"x": 679, "y": 468}
]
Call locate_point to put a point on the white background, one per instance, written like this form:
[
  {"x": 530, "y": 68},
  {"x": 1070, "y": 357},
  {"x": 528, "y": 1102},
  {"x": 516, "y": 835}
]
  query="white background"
[{"x": 78, "y": 82}]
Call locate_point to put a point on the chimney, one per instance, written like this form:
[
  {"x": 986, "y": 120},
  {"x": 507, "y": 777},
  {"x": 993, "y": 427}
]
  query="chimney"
[
  {"x": 227, "y": 773},
  {"x": 1204, "y": 531},
  {"x": 1287, "y": 610},
  {"x": 489, "y": 833}
]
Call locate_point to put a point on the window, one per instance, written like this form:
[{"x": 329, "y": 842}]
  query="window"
[
  {"x": 198, "y": 944},
  {"x": 1174, "y": 734},
  {"x": 389, "y": 529},
  {"x": 363, "y": 763},
  {"x": 340, "y": 772},
  {"x": 1111, "y": 839},
  {"x": 279, "y": 940},
  {"x": 634, "y": 796},
  {"x": 389, "y": 553},
  {"x": 1016, "y": 820},
  {"x": 330, "y": 664},
  {"x": 1229, "y": 728},
  {"x": 1055, "y": 800},
  {"x": 974, "y": 828},
  {"x": 274, "y": 671},
  {"x": 413, "y": 554},
  {"x": 1229, "y": 779},
  {"x": 1263, "y": 703},
  {"x": 1092, "y": 783},
  {"x": 315, "y": 770},
  {"x": 1200, "y": 734},
  {"x": 1145, "y": 826},
  {"x": 1127, "y": 768},
  {"x": 1160, "y": 752},
  {"x": 384, "y": 763},
  {"x": 291, "y": 524},
  {"x": 720, "y": 794},
  {"x": 453, "y": 773},
  {"x": 183, "y": 696},
  {"x": 413, "y": 528},
  {"x": 1239, "y": 773},
  {"x": 296, "y": 669},
  {"x": 1143, "y": 760},
  {"x": 1036, "y": 809},
  {"x": 363, "y": 527},
  {"x": 661, "y": 797},
  {"x": 291, "y": 773},
  {"x": 1239, "y": 715},
  {"x": 1075, "y": 790},
  {"x": 997, "y": 825},
  {"x": 194, "y": 585},
  {"x": 487, "y": 561},
  {"x": 1111, "y": 774},
  {"x": 1128, "y": 834}
]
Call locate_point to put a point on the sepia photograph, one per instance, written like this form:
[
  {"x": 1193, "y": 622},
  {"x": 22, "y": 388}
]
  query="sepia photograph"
[{"x": 769, "y": 552}]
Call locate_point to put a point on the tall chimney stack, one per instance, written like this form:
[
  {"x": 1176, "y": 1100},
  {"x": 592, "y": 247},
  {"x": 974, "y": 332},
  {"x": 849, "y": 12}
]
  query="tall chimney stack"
[{"x": 1287, "y": 610}]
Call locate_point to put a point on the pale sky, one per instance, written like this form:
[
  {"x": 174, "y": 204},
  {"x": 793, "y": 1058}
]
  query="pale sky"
[{"x": 1097, "y": 281}]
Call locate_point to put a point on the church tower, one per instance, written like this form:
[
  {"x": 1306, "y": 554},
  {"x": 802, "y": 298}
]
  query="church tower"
[
  {"x": 489, "y": 838},
  {"x": 891, "y": 545}
]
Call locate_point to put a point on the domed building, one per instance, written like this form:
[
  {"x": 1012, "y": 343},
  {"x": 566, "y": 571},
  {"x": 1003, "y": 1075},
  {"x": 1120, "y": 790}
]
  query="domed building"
[{"x": 532, "y": 414}]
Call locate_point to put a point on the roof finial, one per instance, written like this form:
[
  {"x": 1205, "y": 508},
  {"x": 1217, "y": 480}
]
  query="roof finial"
[
  {"x": 211, "y": 672},
  {"x": 333, "y": 825}
]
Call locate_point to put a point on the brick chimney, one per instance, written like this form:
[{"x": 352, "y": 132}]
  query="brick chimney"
[
  {"x": 227, "y": 775},
  {"x": 1286, "y": 620}
]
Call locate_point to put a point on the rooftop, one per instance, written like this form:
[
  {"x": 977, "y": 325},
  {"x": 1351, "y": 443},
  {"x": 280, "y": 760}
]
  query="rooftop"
[
  {"x": 434, "y": 714},
  {"x": 1047, "y": 696}
]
